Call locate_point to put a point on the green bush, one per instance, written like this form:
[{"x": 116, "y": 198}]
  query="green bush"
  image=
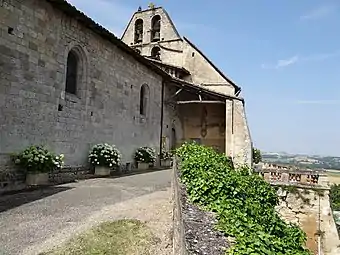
[
  {"x": 257, "y": 157},
  {"x": 334, "y": 196},
  {"x": 244, "y": 203},
  {"x": 37, "y": 159}
]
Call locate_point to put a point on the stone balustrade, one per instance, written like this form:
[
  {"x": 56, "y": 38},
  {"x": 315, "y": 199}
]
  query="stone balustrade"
[{"x": 286, "y": 175}]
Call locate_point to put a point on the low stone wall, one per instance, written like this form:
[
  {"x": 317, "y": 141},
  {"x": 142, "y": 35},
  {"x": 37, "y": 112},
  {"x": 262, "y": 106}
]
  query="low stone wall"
[
  {"x": 12, "y": 180},
  {"x": 193, "y": 228},
  {"x": 179, "y": 246},
  {"x": 70, "y": 174}
]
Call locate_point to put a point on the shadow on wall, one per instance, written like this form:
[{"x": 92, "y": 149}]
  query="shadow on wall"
[{"x": 8, "y": 202}]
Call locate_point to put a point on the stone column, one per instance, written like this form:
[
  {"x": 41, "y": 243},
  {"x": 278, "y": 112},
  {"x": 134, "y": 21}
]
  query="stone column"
[{"x": 228, "y": 128}]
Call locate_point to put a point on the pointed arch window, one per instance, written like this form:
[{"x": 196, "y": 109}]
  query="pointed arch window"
[
  {"x": 156, "y": 28},
  {"x": 144, "y": 99},
  {"x": 139, "y": 31},
  {"x": 156, "y": 53},
  {"x": 72, "y": 72}
]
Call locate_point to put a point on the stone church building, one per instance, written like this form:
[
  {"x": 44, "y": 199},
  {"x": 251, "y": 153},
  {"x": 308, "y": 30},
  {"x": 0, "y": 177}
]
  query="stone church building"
[{"x": 68, "y": 83}]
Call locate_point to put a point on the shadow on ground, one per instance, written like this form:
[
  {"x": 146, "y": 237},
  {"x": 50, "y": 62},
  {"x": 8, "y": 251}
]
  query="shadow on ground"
[
  {"x": 136, "y": 172},
  {"x": 18, "y": 198},
  {"x": 10, "y": 201}
]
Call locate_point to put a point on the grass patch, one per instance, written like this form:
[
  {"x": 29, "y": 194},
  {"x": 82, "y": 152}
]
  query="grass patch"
[
  {"x": 334, "y": 177},
  {"x": 122, "y": 237}
]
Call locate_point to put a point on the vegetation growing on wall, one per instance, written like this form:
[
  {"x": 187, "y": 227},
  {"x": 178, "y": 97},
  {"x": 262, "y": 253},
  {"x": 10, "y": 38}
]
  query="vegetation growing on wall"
[
  {"x": 257, "y": 157},
  {"x": 297, "y": 192},
  {"x": 334, "y": 196},
  {"x": 244, "y": 203}
]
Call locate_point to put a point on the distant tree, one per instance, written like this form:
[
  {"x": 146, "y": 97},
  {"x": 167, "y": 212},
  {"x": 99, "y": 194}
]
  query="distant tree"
[{"x": 256, "y": 156}]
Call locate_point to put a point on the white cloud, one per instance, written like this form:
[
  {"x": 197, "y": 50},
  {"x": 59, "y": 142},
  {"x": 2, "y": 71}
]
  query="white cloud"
[
  {"x": 287, "y": 62},
  {"x": 282, "y": 63},
  {"x": 318, "y": 13},
  {"x": 296, "y": 59}
]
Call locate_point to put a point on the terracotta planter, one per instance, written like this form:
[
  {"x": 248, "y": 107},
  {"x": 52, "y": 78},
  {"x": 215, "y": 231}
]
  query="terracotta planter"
[
  {"x": 102, "y": 171},
  {"x": 143, "y": 166},
  {"x": 37, "y": 179}
]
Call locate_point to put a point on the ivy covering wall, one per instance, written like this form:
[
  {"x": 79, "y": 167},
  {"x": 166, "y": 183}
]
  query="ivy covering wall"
[{"x": 244, "y": 203}]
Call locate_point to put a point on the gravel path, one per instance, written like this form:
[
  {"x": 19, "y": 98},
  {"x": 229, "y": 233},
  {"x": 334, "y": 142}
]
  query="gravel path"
[{"x": 69, "y": 209}]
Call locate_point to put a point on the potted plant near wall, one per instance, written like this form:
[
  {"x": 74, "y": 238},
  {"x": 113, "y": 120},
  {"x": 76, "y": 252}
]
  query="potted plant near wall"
[
  {"x": 104, "y": 157},
  {"x": 38, "y": 162},
  {"x": 145, "y": 156},
  {"x": 166, "y": 158}
]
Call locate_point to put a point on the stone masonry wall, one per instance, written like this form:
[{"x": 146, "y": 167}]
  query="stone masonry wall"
[
  {"x": 305, "y": 207},
  {"x": 168, "y": 31},
  {"x": 242, "y": 147},
  {"x": 171, "y": 118},
  {"x": 34, "y": 44},
  {"x": 175, "y": 50},
  {"x": 203, "y": 72}
]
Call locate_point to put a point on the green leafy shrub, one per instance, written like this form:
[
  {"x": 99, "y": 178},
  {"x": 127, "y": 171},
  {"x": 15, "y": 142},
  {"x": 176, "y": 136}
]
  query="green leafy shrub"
[
  {"x": 104, "y": 155},
  {"x": 37, "y": 159},
  {"x": 145, "y": 155},
  {"x": 244, "y": 203},
  {"x": 334, "y": 196},
  {"x": 257, "y": 157}
]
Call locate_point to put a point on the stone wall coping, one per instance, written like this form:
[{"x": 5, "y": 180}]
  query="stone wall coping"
[
  {"x": 179, "y": 243},
  {"x": 291, "y": 171},
  {"x": 299, "y": 185}
]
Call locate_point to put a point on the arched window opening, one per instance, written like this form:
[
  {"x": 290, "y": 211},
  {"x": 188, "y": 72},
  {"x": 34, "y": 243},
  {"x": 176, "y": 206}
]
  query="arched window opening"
[
  {"x": 72, "y": 72},
  {"x": 156, "y": 53},
  {"x": 173, "y": 139},
  {"x": 139, "y": 31},
  {"x": 144, "y": 98},
  {"x": 156, "y": 28}
]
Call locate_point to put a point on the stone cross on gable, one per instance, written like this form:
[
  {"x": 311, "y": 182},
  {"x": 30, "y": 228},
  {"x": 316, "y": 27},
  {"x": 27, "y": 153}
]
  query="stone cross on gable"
[{"x": 151, "y": 5}]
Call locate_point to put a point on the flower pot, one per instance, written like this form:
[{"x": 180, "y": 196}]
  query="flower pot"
[
  {"x": 166, "y": 163},
  {"x": 143, "y": 166},
  {"x": 102, "y": 171},
  {"x": 37, "y": 179}
]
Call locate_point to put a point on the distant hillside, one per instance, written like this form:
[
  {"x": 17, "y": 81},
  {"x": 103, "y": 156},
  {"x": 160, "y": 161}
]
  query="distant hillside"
[{"x": 303, "y": 161}]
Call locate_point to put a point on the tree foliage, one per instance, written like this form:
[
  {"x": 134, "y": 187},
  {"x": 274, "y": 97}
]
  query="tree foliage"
[
  {"x": 257, "y": 157},
  {"x": 244, "y": 203},
  {"x": 335, "y": 197}
]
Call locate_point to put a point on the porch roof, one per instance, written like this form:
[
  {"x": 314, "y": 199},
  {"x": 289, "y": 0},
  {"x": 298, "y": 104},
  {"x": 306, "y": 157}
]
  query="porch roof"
[{"x": 199, "y": 89}]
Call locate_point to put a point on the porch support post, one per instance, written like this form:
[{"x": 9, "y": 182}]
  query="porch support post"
[{"x": 228, "y": 128}]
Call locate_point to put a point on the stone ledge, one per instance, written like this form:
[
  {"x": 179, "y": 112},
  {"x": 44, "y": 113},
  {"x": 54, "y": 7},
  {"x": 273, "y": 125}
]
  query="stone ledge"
[
  {"x": 179, "y": 245},
  {"x": 193, "y": 228}
]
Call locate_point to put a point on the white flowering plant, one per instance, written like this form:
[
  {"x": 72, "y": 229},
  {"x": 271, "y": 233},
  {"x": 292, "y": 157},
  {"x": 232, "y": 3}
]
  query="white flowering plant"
[
  {"x": 38, "y": 159},
  {"x": 166, "y": 155},
  {"x": 145, "y": 155},
  {"x": 104, "y": 155}
]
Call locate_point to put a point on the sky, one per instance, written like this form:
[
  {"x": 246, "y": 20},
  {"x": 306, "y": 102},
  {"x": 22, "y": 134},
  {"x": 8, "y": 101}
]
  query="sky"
[{"x": 284, "y": 54}]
